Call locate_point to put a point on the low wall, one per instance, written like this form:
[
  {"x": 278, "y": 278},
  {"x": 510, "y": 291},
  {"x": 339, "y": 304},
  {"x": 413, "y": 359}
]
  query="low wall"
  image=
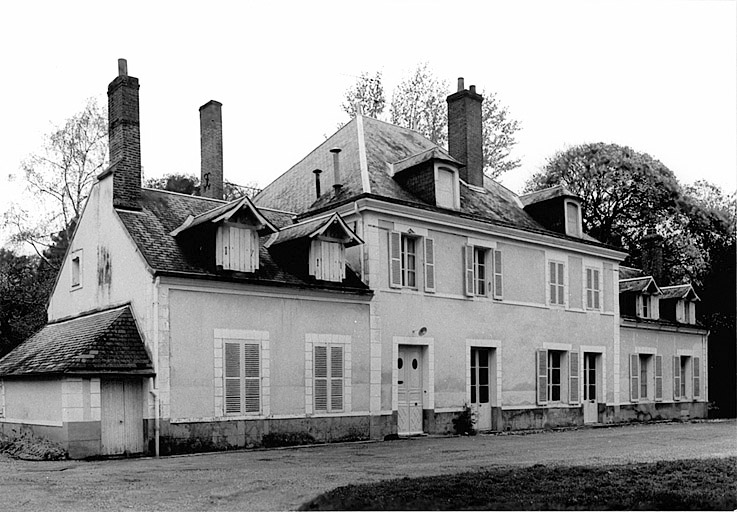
[
  {"x": 52, "y": 433},
  {"x": 654, "y": 411}
]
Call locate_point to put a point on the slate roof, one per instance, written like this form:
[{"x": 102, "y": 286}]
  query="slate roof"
[
  {"x": 638, "y": 284},
  {"x": 546, "y": 194},
  {"x": 310, "y": 228},
  {"x": 629, "y": 272},
  {"x": 106, "y": 342},
  {"x": 163, "y": 212},
  {"x": 387, "y": 148},
  {"x": 680, "y": 291}
]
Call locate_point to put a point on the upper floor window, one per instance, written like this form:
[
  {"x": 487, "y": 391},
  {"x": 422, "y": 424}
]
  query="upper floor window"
[
  {"x": 556, "y": 283},
  {"x": 236, "y": 248},
  {"x": 77, "y": 269},
  {"x": 593, "y": 288},
  {"x": 479, "y": 266},
  {"x": 647, "y": 306},
  {"x": 409, "y": 261},
  {"x": 327, "y": 260},
  {"x": 483, "y": 271},
  {"x": 573, "y": 218}
]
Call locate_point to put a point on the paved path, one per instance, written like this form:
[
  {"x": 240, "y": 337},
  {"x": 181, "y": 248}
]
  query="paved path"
[{"x": 286, "y": 478}]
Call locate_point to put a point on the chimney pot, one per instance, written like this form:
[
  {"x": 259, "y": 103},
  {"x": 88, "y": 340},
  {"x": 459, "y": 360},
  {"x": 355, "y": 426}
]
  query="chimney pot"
[
  {"x": 460, "y": 84},
  {"x": 472, "y": 89},
  {"x": 337, "y": 183},
  {"x": 317, "y": 183},
  {"x": 122, "y": 67}
]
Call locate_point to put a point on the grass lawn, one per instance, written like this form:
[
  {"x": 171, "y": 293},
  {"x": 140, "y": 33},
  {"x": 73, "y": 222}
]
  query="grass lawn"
[{"x": 709, "y": 484}]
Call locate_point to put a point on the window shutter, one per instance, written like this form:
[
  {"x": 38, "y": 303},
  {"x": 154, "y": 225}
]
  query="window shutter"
[
  {"x": 341, "y": 256},
  {"x": 658, "y": 377},
  {"x": 676, "y": 378},
  {"x": 395, "y": 259},
  {"x": 429, "y": 265},
  {"x": 542, "y": 377},
  {"x": 315, "y": 253},
  {"x": 573, "y": 387},
  {"x": 253, "y": 250},
  {"x": 232, "y": 378},
  {"x": 680, "y": 312},
  {"x": 552, "y": 273},
  {"x": 696, "y": 377},
  {"x": 561, "y": 286},
  {"x": 589, "y": 288},
  {"x": 498, "y": 290},
  {"x": 634, "y": 377},
  {"x": 469, "y": 273},
  {"x": 321, "y": 378},
  {"x": 336, "y": 378},
  {"x": 597, "y": 277},
  {"x": 252, "y": 377}
]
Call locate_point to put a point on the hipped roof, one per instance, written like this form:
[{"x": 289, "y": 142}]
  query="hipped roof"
[
  {"x": 639, "y": 284},
  {"x": 106, "y": 342},
  {"x": 681, "y": 291}
]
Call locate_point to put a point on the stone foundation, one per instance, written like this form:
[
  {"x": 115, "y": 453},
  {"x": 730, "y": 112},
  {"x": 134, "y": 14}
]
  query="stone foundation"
[{"x": 653, "y": 411}]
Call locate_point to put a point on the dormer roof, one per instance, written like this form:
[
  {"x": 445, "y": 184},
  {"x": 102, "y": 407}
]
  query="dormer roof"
[
  {"x": 313, "y": 229},
  {"x": 432, "y": 154},
  {"x": 558, "y": 191},
  {"x": 681, "y": 291},
  {"x": 225, "y": 212},
  {"x": 639, "y": 285}
]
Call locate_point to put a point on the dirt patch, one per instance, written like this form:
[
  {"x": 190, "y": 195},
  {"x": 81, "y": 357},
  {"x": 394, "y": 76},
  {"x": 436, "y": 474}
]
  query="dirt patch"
[{"x": 29, "y": 447}]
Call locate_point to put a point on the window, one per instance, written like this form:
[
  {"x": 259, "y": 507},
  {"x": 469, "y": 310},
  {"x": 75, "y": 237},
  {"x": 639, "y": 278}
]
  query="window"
[
  {"x": 327, "y": 260},
  {"x": 573, "y": 223},
  {"x": 329, "y": 365},
  {"x": 403, "y": 262},
  {"x": 445, "y": 195},
  {"x": 479, "y": 269},
  {"x": 558, "y": 377},
  {"x": 479, "y": 375},
  {"x": 686, "y": 377},
  {"x": 498, "y": 281},
  {"x": 593, "y": 294},
  {"x": 77, "y": 268},
  {"x": 242, "y": 375},
  {"x": 556, "y": 281},
  {"x": 409, "y": 261},
  {"x": 684, "y": 363},
  {"x": 237, "y": 248},
  {"x": 554, "y": 360},
  {"x": 646, "y": 311}
]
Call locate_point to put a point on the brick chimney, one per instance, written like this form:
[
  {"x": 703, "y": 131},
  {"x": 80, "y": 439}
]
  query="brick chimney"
[
  {"x": 465, "y": 136},
  {"x": 125, "y": 138},
  {"x": 652, "y": 255},
  {"x": 211, "y": 150}
]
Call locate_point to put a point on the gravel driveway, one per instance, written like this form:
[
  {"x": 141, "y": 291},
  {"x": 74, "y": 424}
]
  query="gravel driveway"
[{"x": 285, "y": 478}]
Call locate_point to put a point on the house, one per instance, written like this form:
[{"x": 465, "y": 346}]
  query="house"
[{"x": 379, "y": 286}]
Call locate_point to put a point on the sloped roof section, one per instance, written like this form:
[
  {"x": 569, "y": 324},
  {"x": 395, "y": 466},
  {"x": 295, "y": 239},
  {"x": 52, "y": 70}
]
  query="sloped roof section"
[
  {"x": 314, "y": 228},
  {"x": 681, "y": 291},
  {"x": 106, "y": 342},
  {"x": 546, "y": 194},
  {"x": 640, "y": 285},
  {"x": 225, "y": 212},
  {"x": 630, "y": 272}
]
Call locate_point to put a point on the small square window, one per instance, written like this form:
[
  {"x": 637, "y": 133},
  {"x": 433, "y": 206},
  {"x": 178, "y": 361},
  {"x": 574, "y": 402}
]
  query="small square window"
[{"x": 77, "y": 269}]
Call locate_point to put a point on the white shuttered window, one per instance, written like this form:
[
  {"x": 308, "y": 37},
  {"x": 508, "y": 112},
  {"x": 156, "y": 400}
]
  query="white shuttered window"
[
  {"x": 327, "y": 260},
  {"x": 236, "y": 248},
  {"x": 329, "y": 372},
  {"x": 242, "y": 375},
  {"x": 556, "y": 283}
]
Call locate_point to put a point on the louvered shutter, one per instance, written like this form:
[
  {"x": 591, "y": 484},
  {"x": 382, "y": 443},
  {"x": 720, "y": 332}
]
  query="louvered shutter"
[
  {"x": 589, "y": 288},
  {"x": 232, "y": 378},
  {"x": 696, "y": 377},
  {"x": 321, "y": 378},
  {"x": 252, "y": 377},
  {"x": 429, "y": 265},
  {"x": 634, "y": 377},
  {"x": 542, "y": 377},
  {"x": 597, "y": 292},
  {"x": 573, "y": 379},
  {"x": 561, "y": 286},
  {"x": 498, "y": 290},
  {"x": 395, "y": 259},
  {"x": 468, "y": 266},
  {"x": 253, "y": 249},
  {"x": 336, "y": 378},
  {"x": 676, "y": 378},
  {"x": 658, "y": 377},
  {"x": 315, "y": 255},
  {"x": 341, "y": 259}
]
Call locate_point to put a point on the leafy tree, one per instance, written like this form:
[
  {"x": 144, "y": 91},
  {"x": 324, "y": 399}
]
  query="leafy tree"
[
  {"x": 59, "y": 177},
  {"x": 622, "y": 191},
  {"x": 368, "y": 91},
  {"x": 419, "y": 103},
  {"x": 190, "y": 184}
]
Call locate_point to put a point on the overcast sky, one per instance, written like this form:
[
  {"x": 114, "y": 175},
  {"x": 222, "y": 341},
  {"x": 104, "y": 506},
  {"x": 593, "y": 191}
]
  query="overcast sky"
[{"x": 658, "y": 76}]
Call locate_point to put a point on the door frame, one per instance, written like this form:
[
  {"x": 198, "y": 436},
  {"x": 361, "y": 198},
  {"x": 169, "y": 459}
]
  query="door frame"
[
  {"x": 601, "y": 389},
  {"x": 124, "y": 430},
  {"x": 495, "y": 356},
  {"x": 427, "y": 351}
]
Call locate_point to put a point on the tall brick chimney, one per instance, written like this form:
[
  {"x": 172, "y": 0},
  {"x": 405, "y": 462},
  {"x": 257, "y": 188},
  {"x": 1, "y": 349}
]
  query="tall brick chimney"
[
  {"x": 652, "y": 255},
  {"x": 465, "y": 136},
  {"x": 211, "y": 150},
  {"x": 125, "y": 138}
]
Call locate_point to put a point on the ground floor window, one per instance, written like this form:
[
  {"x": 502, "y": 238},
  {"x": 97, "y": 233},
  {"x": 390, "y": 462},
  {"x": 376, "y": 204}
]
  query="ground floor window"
[
  {"x": 589, "y": 376},
  {"x": 329, "y": 371},
  {"x": 480, "y": 375},
  {"x": 557, "y": 377},
  {"x": 242, "y": 364}
]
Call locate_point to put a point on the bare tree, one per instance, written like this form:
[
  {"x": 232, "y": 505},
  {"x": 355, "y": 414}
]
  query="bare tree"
[
  {"x": 368, "y": 92},
  {"x": 58, "y": 178}
]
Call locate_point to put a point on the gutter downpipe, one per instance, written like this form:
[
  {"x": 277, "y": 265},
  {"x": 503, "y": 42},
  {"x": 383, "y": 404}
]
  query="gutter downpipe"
[
  {"x": 154, "y": 382},
  {"x": 359, "y": 222}
]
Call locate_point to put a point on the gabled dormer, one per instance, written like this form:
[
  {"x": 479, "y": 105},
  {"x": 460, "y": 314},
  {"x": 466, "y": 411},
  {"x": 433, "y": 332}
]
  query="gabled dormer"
[
  {"x": 556, "y": 208},
  {"x": 226, "y": 236},
  {"x": 315, "y": 247},
  {"x": 678, "y": 304},
  {"x": 432, "y": 176},
  {"x": 639, "y": 297}
]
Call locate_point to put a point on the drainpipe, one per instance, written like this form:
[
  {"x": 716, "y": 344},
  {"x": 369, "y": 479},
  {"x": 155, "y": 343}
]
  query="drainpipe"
[
  {"x": 359, "y": 222},
  {"x": 154, "y": 382}
]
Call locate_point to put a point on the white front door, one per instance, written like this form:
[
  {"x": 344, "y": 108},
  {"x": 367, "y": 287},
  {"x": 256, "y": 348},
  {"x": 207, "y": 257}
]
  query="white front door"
[
  {"x": 121, "y": 416},
  {"x": 480, "y": 387},
  {"x": 590, "y": 389},
  {"x": 409, "y": 386}
]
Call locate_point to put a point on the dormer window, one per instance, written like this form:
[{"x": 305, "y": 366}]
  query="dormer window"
[
  {"x": 446, "y": 188},
  {"x": 647, "y": 306},
  {"x": 327, "y": 260},
  {"x": 686, "y": 311},
  {"x": 573, "y": 218},
  {"x": 236, "y": 248}
]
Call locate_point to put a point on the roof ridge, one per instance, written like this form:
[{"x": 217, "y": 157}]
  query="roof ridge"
[
  {"x": 184, "y": 195},
  {"x": 88, "y": 313}
]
